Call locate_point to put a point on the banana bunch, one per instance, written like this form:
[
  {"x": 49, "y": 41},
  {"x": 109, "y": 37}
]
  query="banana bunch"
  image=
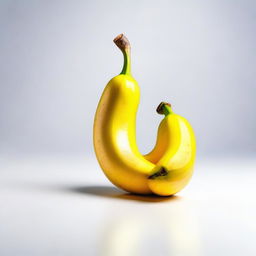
[{"x": 168, "y": 167}]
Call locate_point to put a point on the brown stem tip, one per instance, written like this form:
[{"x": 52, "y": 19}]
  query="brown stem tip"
[
  {"x": 159, "y": 109},
  {"x": 161, "y": 172},
  {"x": 122, "y": 42}
]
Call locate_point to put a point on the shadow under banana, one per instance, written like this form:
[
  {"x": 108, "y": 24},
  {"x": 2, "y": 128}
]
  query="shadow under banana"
[{"x": 115, "y": 193}]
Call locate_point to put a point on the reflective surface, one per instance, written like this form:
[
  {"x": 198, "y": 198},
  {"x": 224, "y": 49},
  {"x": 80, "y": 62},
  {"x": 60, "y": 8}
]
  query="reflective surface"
[{"x": 65, "y": 206}]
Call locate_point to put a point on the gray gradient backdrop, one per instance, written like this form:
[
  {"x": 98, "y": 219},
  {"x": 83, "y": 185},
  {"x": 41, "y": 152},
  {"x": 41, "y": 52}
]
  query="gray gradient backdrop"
[{"x": 57, "y": 56}]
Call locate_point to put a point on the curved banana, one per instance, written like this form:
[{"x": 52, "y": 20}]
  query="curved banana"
[
  {"x": 175, "y": 167},
  {"x": 114, "y": 130},
  {"x": 162, "y": 141},
  {"x": 165, "y": 170}
]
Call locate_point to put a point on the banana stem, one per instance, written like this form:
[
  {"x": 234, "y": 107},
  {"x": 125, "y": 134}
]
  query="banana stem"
[
  {"x": 127, "y": 63},
  {"x": 124, "y": 45},
  {"x": 167, "y": 110},
  {"x": 164, "y": 108}
]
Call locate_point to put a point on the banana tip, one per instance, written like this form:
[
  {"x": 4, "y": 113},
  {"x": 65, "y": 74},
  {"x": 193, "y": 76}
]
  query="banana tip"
[
  {"x": 159, "y": 108},
  {"x": 122, "y": 42},
  {"x": 161, "y": 172}
]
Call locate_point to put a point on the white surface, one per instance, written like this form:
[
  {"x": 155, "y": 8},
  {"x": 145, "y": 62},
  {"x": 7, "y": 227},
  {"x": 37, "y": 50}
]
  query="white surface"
[{"x": 66, "y": 206}]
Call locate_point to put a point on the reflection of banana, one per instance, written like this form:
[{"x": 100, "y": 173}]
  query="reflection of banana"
[
  {"x": 161, "y": 231},
  {"x": 122, "y": 237},
  {"x": 169, "y": 167}
]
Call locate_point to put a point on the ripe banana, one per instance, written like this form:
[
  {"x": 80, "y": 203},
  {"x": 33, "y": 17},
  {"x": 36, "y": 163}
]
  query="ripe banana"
[
  {"x": 165, "y": 170},
  {"x": 175, "y": 166}
]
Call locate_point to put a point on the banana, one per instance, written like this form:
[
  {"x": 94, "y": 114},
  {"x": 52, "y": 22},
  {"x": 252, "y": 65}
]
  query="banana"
[
  {"x": 114, "y": 130},
  {"x": 176, "y": 165},
  {"x": 169, "y": 166},
  {"x": 163, "y": 137}
]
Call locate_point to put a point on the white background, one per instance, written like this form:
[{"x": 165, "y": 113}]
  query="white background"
[{"x": 57, "y": 57}]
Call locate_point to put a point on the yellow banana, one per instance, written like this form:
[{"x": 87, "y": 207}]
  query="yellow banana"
[
  {"x": 163, "y": 140},
  {"x": 175, "y": 166},
  {"x": 115, "y": 140},
  {"x": 114, "y": 130}
]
